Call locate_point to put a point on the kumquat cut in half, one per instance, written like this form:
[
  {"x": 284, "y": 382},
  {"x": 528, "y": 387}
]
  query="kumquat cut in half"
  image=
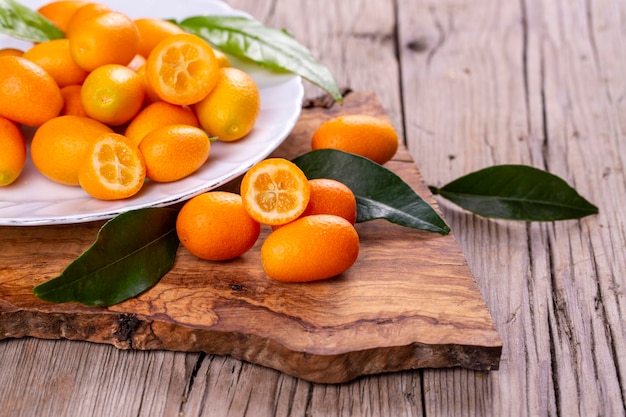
[
  {"x": 113, "y": 168},
  {"x": 275, "y": 191},
  {"x": 182, "y": 69}
]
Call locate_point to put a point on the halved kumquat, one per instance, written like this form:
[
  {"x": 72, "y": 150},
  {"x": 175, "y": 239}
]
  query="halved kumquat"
[
  {"x": 275, "y": 191},
  {"x": 112, "y": 168},
  {"x": 182, "y": 69}
]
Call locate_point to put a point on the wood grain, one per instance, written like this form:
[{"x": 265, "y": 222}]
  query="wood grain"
[
  {"x": 531, "y": 82},
  {"x": 409, "y": 302}
]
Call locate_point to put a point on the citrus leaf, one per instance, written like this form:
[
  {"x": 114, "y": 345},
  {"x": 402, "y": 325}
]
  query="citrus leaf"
[
  {"x": 131, "y": 253},
  {"x": 270, "y": 48},
  {"x": 18, "y": 21},
  {"x": 517, "y": 192},
  {"x": 380, "y": 194}
]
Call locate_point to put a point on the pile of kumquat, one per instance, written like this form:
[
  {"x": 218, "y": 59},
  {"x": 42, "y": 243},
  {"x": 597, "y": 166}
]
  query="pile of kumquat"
[
  {"x": 117, "y": 101},
  {"x": 313, "y": 235}
]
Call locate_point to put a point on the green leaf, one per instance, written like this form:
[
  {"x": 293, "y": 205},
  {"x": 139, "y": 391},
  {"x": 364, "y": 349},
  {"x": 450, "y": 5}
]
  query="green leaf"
[
  {"x": 517, "y": 192},
  {"x": 21, "y": 22},
  {"x": 270, "y": 48},
  {"x": 131, "y": 254},
  {"x": 380, "y": 194}
]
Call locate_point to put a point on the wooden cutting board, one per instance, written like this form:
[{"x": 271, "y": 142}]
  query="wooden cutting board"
[{"x": 409, "y": 302}]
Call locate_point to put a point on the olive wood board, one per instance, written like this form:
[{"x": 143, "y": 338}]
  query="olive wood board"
[{"x": 408, "y": 302}]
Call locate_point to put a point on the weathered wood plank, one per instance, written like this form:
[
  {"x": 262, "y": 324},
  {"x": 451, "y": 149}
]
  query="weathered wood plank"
[
  {"x": 533, "y": 82},
  {"x": 77, "y": 378}
]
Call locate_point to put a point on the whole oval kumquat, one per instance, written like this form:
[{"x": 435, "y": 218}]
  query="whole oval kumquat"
[
  {"x": 112, "y": 94},
  {"x": 13, "y": 155},
  {"x": 174, "y": 152},
  {"x": 215, "y": 226},
  {"x": 159, "y": 114},
  {"x": 54, "y": 57},
  {"x": 275, "y": 191},
  {"x": 329, "y": 196},
  {"x": 310, "y": 248},
  {"x": 112, "y": 168},
  {"x": 152, "y": 31},
  {"x": 107, "y": 38},
  {"x": 28, "y": 94},
  {"x": 58, "y": 146},
  {"x": 60, "y": 12},
  {"x": 359, "y": 134},
  {"x": 231, "y": 109},
  {"x": 85, "y": 11}
]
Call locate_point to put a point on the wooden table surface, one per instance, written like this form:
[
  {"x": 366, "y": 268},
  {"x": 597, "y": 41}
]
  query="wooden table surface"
[{"x": 468, "y": 85}]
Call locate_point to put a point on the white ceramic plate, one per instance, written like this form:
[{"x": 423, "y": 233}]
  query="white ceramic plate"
[{"x": 35, "y": 200}]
